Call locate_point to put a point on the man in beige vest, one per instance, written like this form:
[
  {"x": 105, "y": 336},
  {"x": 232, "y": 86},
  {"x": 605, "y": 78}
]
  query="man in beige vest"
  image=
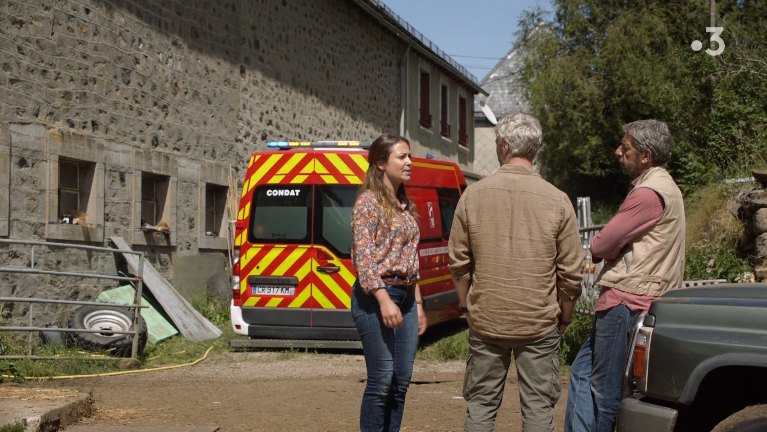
[
  {"x": 515, "y": 256},
  {"x": 643, "y": 251}
]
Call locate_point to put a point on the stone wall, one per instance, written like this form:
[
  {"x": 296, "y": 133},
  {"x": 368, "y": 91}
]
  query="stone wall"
[
  {"x": 182, "y": 89},
  {"x": 751, "y": 209}
]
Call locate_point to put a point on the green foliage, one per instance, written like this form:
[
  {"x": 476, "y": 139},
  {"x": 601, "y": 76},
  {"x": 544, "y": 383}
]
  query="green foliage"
[
  {"x": 16, "y": 427},
  {"x": 597, "y": 65},
  {"x": 576, "y": 333},
  {"x": 718, "y": 262},
  {"x": 713, "y": 236},
  {"x": 452, "y": 347}
]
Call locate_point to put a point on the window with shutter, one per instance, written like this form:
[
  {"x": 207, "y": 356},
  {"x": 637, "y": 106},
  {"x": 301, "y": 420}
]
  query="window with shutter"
[{"x": 425, "y": 92}]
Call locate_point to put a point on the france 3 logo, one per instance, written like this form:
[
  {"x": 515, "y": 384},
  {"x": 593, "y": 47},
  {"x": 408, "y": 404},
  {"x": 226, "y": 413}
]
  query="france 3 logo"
[{"x": 716, "y": 38}]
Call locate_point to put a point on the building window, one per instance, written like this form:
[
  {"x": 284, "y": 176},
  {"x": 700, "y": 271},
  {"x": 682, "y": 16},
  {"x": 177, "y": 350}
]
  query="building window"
[
  {"x": 463, "y": 136},
  {"x": 425, "y": 107},
  {"x": 75, "y": 183},
  {"x": 154, "y": 193},
  {"x": 444, "y": 113},
  {"x": 215, "y": 209}
]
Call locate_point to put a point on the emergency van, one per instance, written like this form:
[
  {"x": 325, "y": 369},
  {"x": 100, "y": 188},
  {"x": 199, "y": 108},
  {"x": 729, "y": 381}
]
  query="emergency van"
[{"x": 292, "y": 271}]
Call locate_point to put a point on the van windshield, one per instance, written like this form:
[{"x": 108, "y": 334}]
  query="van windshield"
[{"x": 280, "y": 213}]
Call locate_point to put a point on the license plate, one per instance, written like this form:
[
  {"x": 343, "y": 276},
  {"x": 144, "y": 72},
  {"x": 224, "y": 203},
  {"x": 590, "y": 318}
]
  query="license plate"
[{"x": 274, "y": 290}]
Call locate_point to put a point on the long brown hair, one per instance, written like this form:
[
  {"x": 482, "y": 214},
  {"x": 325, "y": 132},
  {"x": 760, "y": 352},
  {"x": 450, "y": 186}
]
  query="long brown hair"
[{"x": 380, "y": 151}]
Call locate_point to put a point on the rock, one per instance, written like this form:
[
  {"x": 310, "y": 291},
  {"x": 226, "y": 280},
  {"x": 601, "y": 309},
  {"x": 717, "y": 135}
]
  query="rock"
[
  {"x": 761, "y": 272},
  {"x": 128, "y": 363},
  {"x": 759, "y": 221},
  {"x": 760, "y": 176},
  {"x": 760, "y": 247}
]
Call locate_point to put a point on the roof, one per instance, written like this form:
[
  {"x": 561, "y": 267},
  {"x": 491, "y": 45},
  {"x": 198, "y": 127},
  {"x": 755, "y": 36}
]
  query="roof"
[
  {"x": 378, "y": 10},
  {"x": 502, "y": 86}
]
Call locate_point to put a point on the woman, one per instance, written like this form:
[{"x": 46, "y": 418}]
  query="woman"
[{"x": 386, "y": 302}]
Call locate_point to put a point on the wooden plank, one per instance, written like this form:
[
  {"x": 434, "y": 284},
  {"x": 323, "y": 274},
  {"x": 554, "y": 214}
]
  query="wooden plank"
[{"x": 190, "y": 323}]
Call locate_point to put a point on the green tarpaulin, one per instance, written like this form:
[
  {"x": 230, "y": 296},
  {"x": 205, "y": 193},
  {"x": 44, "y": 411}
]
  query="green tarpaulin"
[{"x": 158, "y": 328}]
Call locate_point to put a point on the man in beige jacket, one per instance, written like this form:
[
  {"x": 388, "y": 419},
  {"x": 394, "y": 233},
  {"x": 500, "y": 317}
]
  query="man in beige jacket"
[{"x": 515, "y": 256}]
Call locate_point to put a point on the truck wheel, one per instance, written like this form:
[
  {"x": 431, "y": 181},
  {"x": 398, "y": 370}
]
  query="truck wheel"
[
  {"x": 107, "y": 319},
  {"x": 750, "y": 419}
]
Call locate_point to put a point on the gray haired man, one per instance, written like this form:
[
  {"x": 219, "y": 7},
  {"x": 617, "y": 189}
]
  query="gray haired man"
[{"x": 515, "y": 256}]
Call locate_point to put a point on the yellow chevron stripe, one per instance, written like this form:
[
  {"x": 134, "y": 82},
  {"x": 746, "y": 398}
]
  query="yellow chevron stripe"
[
  {"x": 276, "y": 179},
  {"x": 274, "y": 302},
  {"x": 290, "y": 260},
  {"x": 339, "y": 163},
  {"x": 251, "y": 301},
  {"x": 302, "y": 298},
  {"x": 299, "y": 179},
  {"x": 329, "y": 179},
  {"x": 347, "y": 275},
  {"x": 288, "y": 166},
  {"x": 307, "y": 292},
  {"x": 321, "y": 299},
  {"x": 433, "y": 280},
  {"x": 267, "y": 261},
  {"x": 353, "y": 179},
  {"x": 267, "y": 165},
  {"x": 360, "y": 161},
  {"x": 319, "y": 168},
  {"x": 433, "y": 166},
  {"x": 337, "y": 291},
  {"x": 308, "y": 168},
  {"x": 245, "y": 259}
]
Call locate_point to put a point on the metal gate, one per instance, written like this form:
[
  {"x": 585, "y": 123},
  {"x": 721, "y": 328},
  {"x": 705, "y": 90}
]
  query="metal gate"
[{"x": 35, "y": 268}]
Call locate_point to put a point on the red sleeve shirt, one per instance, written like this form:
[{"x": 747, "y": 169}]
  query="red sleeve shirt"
[{"x": 640, "y": 211}]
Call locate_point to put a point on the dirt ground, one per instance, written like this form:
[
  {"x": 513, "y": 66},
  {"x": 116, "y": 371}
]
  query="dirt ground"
[{"x": 273, "y": 391}]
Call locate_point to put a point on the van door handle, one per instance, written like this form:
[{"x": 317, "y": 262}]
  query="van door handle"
[{"x": 329, "y": 269}]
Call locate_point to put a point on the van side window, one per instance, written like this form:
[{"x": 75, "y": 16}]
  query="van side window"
[
  {"x": 280, "y": 212},
  {"x": 335, "y": 204},
  {"x": 448, "y": 200}
]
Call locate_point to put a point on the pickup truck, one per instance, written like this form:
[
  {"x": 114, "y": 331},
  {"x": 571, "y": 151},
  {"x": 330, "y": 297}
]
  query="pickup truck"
[{"x": 699, "y": 362}]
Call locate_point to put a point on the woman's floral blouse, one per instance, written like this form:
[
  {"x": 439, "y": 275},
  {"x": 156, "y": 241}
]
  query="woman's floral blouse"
[{"x": 379, "y": 248}]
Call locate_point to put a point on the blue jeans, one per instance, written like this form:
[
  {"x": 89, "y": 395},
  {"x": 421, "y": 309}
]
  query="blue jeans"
[
  {"x": 389, "y": 356},
  {"x": 596, "y": 375}
]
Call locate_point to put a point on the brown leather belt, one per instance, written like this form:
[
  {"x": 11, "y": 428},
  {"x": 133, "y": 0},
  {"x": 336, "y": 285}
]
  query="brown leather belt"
[{"x": 399, "y": 281}]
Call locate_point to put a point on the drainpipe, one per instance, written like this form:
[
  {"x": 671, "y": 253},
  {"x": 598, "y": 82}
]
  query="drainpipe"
[{"x": 404, "y": 92}]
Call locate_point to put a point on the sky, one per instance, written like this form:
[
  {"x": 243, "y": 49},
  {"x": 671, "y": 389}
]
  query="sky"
[{"x": 475, "y": 33}]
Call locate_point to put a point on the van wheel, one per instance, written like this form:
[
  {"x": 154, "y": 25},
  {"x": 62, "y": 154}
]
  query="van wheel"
[
  {"x": 750, "y": 419},
  {"x": 107, "y": 319}
]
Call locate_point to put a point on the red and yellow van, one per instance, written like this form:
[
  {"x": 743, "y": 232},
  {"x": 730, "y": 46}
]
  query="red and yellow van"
[{"x": 293, "y": 273}]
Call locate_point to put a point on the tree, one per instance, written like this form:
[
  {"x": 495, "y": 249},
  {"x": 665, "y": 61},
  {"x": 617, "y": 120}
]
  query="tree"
[{"x": 599, "y": 64}]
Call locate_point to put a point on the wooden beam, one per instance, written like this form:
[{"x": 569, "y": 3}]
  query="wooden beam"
[{"x": 190, "y": 323}]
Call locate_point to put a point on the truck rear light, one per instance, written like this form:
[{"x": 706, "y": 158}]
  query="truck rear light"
[
  {"x": 640, "y": 349},
  {"x": 236, "y": 299}
]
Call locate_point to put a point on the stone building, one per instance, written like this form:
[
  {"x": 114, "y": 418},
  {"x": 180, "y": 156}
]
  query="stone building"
[
  {"x": 504, "y": 97},
  {"x": 124, "y": 115}
]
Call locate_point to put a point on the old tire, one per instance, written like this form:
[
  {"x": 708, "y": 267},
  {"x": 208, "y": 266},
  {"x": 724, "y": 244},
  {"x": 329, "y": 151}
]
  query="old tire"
[
  {"x": 108, "y": 319},
  {"x": 749, "y": 419}
]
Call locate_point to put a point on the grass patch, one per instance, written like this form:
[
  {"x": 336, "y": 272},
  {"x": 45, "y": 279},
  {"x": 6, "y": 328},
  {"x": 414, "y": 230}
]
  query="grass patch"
[
  {"x": 714, "y": 236},
  {"x": 455, "y": 346},
  {"x": 450, "y": 347},
  {"x": 576, "y": 333},
  {"x": 16, "y": 427},
  {"x": 172, "y": 351}
]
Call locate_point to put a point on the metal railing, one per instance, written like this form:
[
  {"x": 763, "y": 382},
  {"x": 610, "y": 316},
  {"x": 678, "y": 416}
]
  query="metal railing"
[
  {"x": 34, "y": 268},
  {"x": 589, "y": 291}
]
